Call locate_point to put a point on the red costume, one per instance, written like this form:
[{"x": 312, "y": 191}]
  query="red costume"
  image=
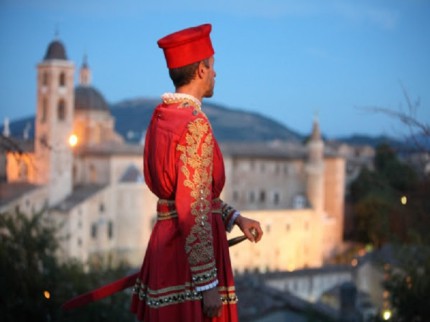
[{"x": 188, "y": 251}]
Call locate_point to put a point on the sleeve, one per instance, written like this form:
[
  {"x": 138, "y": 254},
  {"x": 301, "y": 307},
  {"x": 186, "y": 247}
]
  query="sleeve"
[
  {"x": 229, "y": 215},
  {"x": 194, "y": 201}
]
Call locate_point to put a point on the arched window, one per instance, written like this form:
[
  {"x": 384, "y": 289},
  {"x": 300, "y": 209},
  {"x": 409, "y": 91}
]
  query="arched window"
[
  {"x": 44, "y": 113},
  {"x": 45, "y": 78},
  {"x": 62, "y": 79},
  {"x": 61, "y": 110}
]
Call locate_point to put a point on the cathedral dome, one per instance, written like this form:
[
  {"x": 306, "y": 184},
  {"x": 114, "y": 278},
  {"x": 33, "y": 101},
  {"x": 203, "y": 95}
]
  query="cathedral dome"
[
  {"x": 88, "y": 98},
  {"x": 55, "y": 50}
]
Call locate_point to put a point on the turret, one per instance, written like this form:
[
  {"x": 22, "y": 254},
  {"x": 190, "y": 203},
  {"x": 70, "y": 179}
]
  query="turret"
[
  {"x": 315, "y": 168},
  {"x": 54, "y": 122}
]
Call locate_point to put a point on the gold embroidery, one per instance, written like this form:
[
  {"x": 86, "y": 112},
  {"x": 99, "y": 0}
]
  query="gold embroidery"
[
  {"x": 197, "y": 156},
  {"x": 178, "y": 294}
]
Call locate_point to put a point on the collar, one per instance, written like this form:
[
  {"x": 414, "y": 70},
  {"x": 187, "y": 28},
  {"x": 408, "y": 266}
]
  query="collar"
[{"x": 170, "y": 98}]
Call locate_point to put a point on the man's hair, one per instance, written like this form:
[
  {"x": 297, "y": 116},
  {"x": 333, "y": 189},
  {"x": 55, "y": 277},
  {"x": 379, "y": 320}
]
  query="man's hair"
[{"x": 184, "y": 75}]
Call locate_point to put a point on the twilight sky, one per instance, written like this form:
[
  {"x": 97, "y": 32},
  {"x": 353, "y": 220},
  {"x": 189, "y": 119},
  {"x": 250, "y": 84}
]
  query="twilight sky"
[{"x": 286, "y": 59}]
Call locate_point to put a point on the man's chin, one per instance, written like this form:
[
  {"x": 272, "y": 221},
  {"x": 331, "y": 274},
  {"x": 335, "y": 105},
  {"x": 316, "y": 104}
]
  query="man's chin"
[{"x": 210, "y": 94}]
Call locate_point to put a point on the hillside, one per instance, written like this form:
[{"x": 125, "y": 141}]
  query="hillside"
[
  {"x": 230, "y": 125},
  {"x": 133, "y": 116}
]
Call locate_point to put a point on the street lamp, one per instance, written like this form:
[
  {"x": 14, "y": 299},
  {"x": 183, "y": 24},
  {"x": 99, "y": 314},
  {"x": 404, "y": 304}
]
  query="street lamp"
[{"x": 73, "y": 140}]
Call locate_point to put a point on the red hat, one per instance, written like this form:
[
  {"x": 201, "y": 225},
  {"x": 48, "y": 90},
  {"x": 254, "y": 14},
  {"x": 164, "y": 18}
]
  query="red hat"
[{"x": 187, "y": 46}]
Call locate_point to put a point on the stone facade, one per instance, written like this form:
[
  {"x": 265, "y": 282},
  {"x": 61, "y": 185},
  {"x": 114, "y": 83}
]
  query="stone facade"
[{"x": 96, "y": 190}]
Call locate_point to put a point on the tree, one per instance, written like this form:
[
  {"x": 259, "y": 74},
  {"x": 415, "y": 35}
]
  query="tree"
[
  {"x": 408, "y": 281},
  {"x": 409, "y": 284},
  {"x": 34, "y": 283},
  {"x": 376, "y": 195}
]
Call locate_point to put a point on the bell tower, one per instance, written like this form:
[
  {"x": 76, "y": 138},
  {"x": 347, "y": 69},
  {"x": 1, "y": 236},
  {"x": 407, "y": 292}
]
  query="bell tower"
[
  {"x": 315, "y": 169},
  {"x": 54, "y": 122}
]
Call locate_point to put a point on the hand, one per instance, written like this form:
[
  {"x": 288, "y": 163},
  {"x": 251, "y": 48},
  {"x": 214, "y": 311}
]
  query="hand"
[
  {"x": 251, "y": 228},
  {"x": 212, "y": 303}
]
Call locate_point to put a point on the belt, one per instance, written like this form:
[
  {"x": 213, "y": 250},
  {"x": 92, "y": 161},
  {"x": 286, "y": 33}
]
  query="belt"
[{"x": 166, "y": 209}]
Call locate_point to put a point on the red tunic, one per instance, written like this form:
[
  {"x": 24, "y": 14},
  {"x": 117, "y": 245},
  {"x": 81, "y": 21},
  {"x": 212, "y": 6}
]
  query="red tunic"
[{"x": 188, "y": 249}]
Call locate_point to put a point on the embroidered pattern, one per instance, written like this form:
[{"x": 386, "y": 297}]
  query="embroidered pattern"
[
  {"x": 178, "y": 294},
  {"x": 196, "y": 157}
]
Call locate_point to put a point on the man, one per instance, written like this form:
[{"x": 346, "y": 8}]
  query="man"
[{"x": 186, "y": 274}]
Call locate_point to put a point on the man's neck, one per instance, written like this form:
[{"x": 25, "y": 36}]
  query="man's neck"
[{"x": 190, "y": 90}]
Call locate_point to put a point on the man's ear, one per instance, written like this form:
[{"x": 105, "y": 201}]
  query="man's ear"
[{"x": 201, "y": 70}]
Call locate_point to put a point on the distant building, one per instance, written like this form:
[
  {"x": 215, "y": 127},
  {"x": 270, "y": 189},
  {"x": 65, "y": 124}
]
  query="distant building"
[
  {"x": 296, "y": 192},
  {"x": 96, "y": 190}
]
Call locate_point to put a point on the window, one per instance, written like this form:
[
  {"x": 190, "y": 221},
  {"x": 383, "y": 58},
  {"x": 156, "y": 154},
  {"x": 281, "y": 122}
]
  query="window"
[
  {"x": 44, "y": 141},
  {"x": 110, "y": 229},
  {"x": 61, "y": 110},
  {"x": 93, "y": 174},
  {"x": 262, "y": 196},
  {"x": 102, "y": 207},
  {"x": 44, "y": 112},
  {"x": 299, "y": 202},
  {"x": 45, "y": 78},
  {"x": 94, "y": 230},
  {"x": 276, "y": 198},
  {"x": 62, "y": 79},
  {"x": 235, "y": 195},
  {"x": 23, "y": 170},
  {"x": 251, "y": 196}
]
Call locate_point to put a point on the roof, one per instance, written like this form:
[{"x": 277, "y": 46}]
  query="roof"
[
  {"x": 88, "y": 98},
  {"x": 132, "y": 174},
  {"x": 111, "y": 148},
  {"x": 79, "y": 195},
  {"x": 276, "y": 150},
  {"x": 18, "y": 145},
  {"x": 14, "y": 190},
  {"x": 55, "y": 50}
]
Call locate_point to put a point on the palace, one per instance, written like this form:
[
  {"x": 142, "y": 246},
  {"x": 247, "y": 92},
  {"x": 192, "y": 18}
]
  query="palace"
[{"x": 95, "y": 189}]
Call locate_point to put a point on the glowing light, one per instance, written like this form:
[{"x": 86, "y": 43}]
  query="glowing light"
[
  {"x": 47, "y": 295},
  {"x": 386, "y": 315},
  {"x": 404, "y": 200},
  {"x": 73, "y": 140}
]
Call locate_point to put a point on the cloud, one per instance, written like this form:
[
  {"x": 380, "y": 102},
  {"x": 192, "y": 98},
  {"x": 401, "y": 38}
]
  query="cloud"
[
  {"x": 366, "y": 13},
  {"x": 359, "y": 12}
]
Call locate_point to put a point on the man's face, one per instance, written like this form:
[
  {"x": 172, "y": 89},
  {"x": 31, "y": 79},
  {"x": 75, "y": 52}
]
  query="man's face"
[{"x": 210, "y": 78}]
